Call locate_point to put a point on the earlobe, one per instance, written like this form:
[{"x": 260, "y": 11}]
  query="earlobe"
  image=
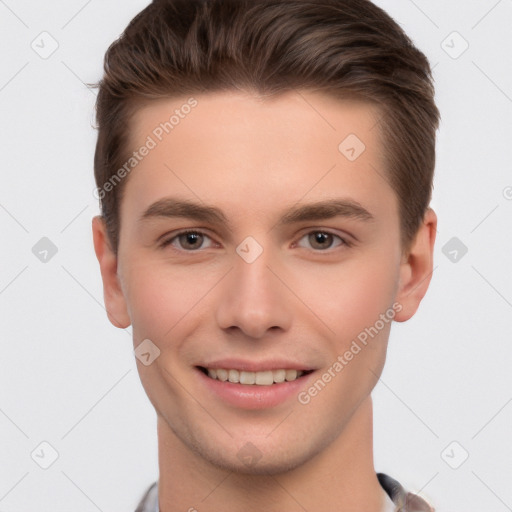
[
  {"x": 115, "y": 302},
  {"x": 417, "y": 267}
]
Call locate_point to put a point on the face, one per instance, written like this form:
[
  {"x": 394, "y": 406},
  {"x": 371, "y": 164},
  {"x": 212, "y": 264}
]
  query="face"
[{"x": 259, "y": 240}]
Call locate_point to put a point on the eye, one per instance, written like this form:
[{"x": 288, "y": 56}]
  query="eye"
[
  {"x": 192, "y": 241},
  {"x": 188, "y": 240},
  {"x": 323, "y": 240}
]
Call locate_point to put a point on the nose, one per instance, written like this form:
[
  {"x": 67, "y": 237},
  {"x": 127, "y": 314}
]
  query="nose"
[{"x": 254, "y": 298}]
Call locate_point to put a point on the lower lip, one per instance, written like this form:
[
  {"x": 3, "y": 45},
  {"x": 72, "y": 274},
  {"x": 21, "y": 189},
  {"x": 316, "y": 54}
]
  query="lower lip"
[{"x": 254, "y": 396}]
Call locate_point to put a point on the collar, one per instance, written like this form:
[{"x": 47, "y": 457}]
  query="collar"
[{"x": 404, "y": 501}]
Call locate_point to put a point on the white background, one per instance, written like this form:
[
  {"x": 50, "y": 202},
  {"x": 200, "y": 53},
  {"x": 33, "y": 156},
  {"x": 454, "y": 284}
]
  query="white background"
[{"x": 68, "y": 377}]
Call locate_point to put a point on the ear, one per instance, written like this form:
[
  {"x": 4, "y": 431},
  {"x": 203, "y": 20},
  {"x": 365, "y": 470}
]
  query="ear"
[
  {"x": 115, "y": 303},
  {"x": 417, "y": 267}
]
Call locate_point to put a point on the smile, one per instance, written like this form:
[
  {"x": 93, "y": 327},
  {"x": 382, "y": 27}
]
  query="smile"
[{"x": 261, "y": 378}]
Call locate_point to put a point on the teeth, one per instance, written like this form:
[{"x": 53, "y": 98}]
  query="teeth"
[
  {"x": 265, "y": 378},
  {"x": 245, "y": 377},
  {"x": 290, "y": 375},
  {"x": 222, "y": 375},
  {"x": 234, "y": 376},
  {"x": 279, "y": 375}
]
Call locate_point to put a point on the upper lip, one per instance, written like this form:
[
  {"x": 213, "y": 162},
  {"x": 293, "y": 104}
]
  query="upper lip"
[{"x": 256, "y": 366}]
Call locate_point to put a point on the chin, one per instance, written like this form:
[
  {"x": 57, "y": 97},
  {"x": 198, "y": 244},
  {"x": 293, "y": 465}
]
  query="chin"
[
  {"x": 266, "y": 465},
  {"x": 258, "y": 456}
]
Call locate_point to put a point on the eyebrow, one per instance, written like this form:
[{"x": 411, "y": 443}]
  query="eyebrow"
[{"x": 171, "y": 207}]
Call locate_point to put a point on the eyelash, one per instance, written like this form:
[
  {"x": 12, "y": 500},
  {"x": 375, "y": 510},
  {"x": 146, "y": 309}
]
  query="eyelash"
[{"x": 168, "y": 242}]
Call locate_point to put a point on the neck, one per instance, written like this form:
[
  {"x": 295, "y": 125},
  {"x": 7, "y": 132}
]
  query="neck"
[{"x": 341, "y": 477}]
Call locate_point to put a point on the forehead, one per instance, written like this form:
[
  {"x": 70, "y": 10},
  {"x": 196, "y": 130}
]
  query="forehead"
[
  {"x": 284, "y": 118},
  {"x": 243, "y": 150}
]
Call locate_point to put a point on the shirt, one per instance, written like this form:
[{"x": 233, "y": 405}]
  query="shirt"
[{"x": 399, "y": 499}]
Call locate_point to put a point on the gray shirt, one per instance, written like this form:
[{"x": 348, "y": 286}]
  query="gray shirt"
[{"x": 399, "y": 499}]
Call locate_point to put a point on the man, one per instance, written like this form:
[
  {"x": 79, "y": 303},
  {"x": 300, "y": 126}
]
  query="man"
[{"x": 265, "y": 172}]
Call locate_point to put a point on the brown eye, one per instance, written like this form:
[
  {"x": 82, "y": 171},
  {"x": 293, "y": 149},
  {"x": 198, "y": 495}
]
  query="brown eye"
[
  {"x": 322, "y": 240},
  {"x": 188, "y": 240}
]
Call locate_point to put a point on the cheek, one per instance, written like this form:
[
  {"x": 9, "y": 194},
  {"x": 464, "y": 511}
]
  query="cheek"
[
  {"x": 158, "y": 302},
  {"x": 350, "y": 298},
  {"x": 357, "y": 304}
]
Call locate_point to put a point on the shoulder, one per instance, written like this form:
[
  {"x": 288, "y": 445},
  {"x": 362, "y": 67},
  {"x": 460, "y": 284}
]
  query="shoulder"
[
  {"x": 404, "y": 501},
  {"x": 149, "y": 502}
]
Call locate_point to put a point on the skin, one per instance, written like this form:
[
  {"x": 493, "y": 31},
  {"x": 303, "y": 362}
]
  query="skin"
[{"x": 198, "y": 300}]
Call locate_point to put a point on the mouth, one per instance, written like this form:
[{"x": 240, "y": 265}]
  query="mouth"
[{"x": 259, "y": 378}]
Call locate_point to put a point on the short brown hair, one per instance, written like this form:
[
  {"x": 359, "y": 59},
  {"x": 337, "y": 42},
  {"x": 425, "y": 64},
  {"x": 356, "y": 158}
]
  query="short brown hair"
[{"x": 345, "y": 48}]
